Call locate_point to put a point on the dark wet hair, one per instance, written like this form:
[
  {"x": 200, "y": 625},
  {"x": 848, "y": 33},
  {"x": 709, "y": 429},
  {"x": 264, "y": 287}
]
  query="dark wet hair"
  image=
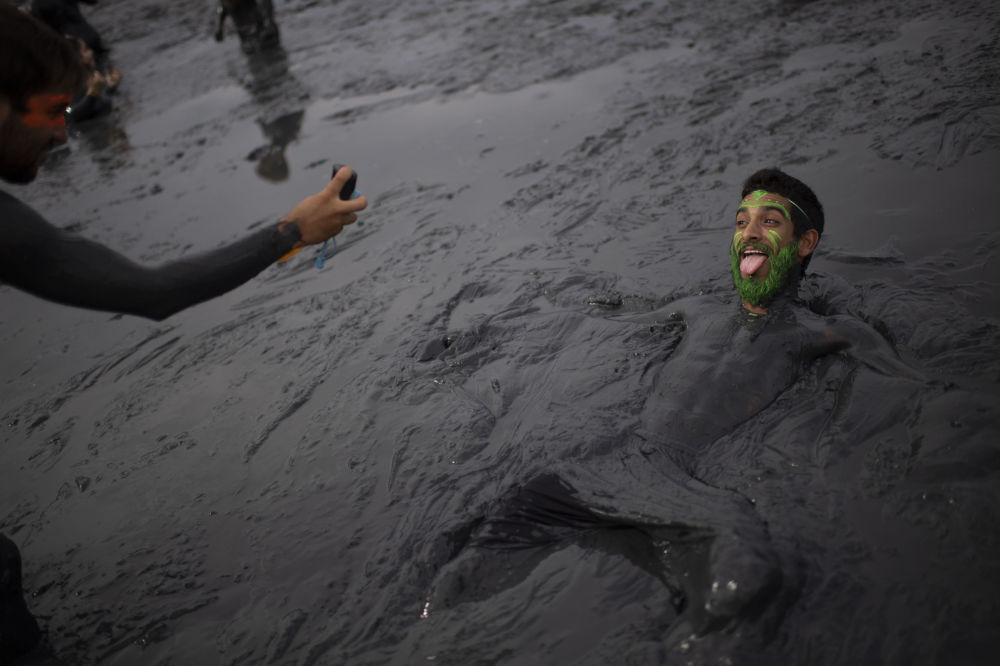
[
  {"x": 34, "y": 57},
  {"x": 778, "y": 182}
]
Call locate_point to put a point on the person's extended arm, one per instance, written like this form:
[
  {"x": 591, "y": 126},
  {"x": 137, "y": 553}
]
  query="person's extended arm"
[
  {"x": 856, "y": 338},
  {"x": 48, "y": 262}
]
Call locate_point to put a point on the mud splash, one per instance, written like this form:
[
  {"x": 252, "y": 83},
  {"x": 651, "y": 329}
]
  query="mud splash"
[{"x": 286, "y": 474}]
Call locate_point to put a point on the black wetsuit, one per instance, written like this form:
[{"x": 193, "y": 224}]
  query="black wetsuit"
[
  {"x": 51, "y": 263},
  {"x": 54, "y": 264},
  {"x": 18, "y": 629}
]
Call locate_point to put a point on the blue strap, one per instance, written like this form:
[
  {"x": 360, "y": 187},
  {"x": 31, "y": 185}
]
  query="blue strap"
[{"x": 323, "y": 255}]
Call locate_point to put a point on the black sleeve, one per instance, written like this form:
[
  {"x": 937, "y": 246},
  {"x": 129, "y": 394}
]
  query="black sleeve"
[{"x": 54, "y": 264}]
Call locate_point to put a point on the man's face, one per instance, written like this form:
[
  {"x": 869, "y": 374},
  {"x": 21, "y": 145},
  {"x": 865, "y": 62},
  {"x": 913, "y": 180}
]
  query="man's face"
[
  {"x": 27, "y": 137},
  {"x": 765, "y": 252}
]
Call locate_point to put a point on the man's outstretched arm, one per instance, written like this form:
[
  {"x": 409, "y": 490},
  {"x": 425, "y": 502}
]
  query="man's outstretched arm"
[
  {"x": 856, "y": 338},
  {"x": 53, "y": 264}
]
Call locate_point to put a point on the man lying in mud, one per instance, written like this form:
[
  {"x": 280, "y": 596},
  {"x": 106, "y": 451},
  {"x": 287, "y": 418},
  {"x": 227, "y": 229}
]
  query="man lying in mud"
[
  {"x": 763, "y": 347},
  {"x": 736, "y": 357},
  {"x": 39, "y": 71}
]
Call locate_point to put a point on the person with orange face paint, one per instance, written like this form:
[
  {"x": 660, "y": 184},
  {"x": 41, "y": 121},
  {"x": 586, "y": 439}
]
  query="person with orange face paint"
[
  {"x": 39, "y": 72},
  {"x": 46, "y": 111}
]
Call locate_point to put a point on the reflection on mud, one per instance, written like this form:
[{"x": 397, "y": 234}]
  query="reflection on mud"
[
  {"x": 271, "y": 162},
  {"x": 322, "y": 467},
  {"x": 275, "y": 90}
]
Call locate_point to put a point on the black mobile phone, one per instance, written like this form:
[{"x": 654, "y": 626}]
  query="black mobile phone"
[{"x": 352, "y": 183}]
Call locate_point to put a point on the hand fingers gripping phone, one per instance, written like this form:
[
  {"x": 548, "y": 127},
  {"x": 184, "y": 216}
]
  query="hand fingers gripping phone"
[{"x": 347, "y": 192}]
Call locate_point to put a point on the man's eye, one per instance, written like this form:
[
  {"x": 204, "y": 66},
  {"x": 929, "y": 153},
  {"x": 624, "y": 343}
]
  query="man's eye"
[
  {"x": 741, "y": 223},
  {"x": 771, "y": 220}
]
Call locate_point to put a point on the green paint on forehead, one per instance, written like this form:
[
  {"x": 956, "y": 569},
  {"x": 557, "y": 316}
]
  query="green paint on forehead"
[{"x": 754, "y": 200}]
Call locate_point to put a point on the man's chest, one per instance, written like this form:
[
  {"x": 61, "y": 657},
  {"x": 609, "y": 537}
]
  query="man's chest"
[{"x": 735, "y": 360}]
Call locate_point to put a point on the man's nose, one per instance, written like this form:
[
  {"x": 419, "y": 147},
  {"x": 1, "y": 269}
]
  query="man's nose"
[{"x": 753, "y": 230}]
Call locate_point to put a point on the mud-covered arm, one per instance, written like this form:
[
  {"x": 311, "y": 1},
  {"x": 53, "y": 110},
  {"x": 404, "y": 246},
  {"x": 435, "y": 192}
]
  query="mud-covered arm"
[
  {"x": 855, "y": 338},
  {"x": 677, "y": 310},
  {"x": 59, "y": 266}
]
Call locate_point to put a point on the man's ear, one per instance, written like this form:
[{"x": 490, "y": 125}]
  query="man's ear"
[{"x": 807, "y": 243}]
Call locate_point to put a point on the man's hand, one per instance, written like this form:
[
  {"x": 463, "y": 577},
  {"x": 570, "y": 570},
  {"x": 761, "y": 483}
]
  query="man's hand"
[
  {"x": 113, "y": 77},
  {"x": 96, "y": 84},
  {"x": 324, "y": 215}
]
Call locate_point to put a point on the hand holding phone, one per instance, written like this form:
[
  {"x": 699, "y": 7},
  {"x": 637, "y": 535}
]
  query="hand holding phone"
[
  {"x": 350, "y": 189},
  {"x": 347, "y": 192}
]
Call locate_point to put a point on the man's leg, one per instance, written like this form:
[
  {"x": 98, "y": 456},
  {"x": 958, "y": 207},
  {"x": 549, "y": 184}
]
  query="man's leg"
[
  {"x": 266, "y": 9},
  {"x": 269, "y": 29},
  {"x": 18, "y": 629},
  {"x": 520, "y": 530},
  {"x": 220, "y": 22}
]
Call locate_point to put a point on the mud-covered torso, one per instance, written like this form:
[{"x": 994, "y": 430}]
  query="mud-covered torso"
[{"x": 728, "y": 367}]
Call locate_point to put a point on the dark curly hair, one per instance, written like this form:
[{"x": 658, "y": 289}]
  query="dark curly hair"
[
  {"x": 777, "y": 181},
  {"x": 33, "y": 57}
]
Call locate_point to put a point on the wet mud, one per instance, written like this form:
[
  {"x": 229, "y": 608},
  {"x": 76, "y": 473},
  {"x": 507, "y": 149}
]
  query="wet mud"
[{"x": 317, "y": 468}]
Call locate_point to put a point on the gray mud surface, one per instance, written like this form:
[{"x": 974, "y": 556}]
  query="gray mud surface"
[{"x": 280, "y": 476}]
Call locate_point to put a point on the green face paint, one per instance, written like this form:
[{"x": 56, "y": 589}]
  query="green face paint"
[
  {"x": 755, "y": 200},
  {"x": 737, "y": 237},
  {"x": 760, "y": 292},
  {"x": 775, "y": 238}
]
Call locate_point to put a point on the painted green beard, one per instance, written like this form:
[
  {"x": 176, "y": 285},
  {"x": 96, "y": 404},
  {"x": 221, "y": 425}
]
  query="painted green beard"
[{"x": 760, "y": 292}]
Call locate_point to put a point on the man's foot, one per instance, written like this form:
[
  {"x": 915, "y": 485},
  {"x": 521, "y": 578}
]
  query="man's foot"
[{"x": 18, "y": 629}]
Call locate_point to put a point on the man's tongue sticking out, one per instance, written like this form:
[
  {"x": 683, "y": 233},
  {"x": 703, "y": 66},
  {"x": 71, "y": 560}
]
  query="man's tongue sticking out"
[{"x": 751, "y": 263}]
